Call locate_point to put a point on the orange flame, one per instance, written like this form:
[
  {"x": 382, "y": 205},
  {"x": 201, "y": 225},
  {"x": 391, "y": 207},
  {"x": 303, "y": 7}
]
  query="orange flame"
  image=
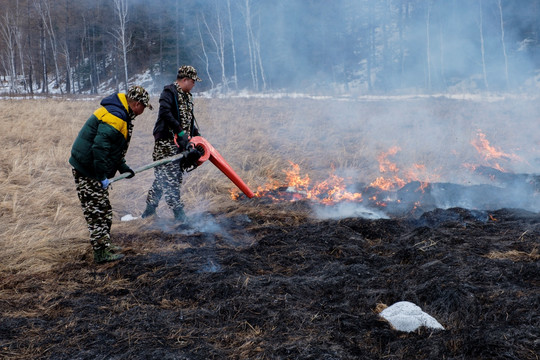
[
  {"x": 294, "y": 178},
  {"x": 334, "y": 189},
  {"x": 382, "y": 184},
  {"x": 417, "y": 172},
  {"x": 235, "y": 193},
  {"x": 485, "y": 149},
  {"x": 385, "y": 164},
  {"x": 488, "y": 152},
  {"x": 298, "y": 186}
]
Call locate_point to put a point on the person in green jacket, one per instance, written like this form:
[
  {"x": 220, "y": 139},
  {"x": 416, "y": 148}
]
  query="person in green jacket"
[{"x": 97, "y": 154}]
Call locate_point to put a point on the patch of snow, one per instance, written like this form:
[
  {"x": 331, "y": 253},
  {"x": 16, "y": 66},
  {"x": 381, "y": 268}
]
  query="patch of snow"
[
  {"x": 129, "y": 217},
  {"x": 477, "y": 97}
]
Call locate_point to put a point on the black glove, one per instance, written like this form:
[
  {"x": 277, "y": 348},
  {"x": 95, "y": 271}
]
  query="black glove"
[
  {"x": 190, "y": 158},
  {"x": 181, "y": 140},
  {"x": 131, "y": 173}
]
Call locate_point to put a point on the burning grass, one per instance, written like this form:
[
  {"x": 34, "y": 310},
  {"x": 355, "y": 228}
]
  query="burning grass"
[{"x": 265, "y": 278}]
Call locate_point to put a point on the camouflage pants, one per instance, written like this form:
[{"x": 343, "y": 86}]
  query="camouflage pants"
[
  {"x": 168, "y": 177},
  {"x": 96, "y": 208}
]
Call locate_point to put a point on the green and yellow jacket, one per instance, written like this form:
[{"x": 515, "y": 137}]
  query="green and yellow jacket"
[{"x": 100, "y": 148}]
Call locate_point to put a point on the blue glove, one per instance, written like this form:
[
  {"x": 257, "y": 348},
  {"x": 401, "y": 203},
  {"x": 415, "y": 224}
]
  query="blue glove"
[{"x": 105, "y": 183}]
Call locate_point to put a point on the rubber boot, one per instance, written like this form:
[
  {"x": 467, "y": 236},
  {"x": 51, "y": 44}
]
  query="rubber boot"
[
  {"x": 149, "y": 211},
  {"x": 115, "y": 248},
  {"x": 105, "y": 255},
  {"x": 179, "y": 214}
]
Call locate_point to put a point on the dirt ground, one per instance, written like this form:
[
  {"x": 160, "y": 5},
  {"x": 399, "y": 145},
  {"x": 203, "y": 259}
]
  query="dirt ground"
[{"x": 274, "y": 283}]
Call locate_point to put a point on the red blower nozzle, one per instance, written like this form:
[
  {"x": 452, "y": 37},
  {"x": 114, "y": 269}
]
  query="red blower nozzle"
[{"x": 209, "y": 153}]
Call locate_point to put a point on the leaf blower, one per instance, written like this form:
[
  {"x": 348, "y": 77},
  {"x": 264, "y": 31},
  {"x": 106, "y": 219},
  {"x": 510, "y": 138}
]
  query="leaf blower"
[{"x": 199, "y": 150}]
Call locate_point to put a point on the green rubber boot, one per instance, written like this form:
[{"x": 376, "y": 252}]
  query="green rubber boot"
[
  {"x": 149, "y": 211},
  {"x": 179, "y": 214},
  {"x": 115, "y": 248},
  {"x": 105, "y": 255}
]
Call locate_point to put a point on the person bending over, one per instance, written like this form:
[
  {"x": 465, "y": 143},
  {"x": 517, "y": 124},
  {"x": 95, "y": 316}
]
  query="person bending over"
[{"x": 96, "y": 155}]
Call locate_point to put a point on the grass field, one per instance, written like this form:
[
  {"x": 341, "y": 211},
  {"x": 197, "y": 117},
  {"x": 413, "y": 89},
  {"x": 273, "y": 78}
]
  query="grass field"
[
  {"x": 42, "y": 219},
  {"x": 41, "y": 222},
  {"x": 40, "y": 214}
]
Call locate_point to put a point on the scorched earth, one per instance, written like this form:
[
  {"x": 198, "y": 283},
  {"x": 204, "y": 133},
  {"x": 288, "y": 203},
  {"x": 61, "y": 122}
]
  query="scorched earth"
[{"x": 277, "y": 284}]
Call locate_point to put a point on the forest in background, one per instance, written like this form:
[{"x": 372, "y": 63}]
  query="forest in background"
[{"x": 346, "y": 46}]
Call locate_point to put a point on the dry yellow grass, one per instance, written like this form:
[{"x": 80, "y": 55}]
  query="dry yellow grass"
[
  {"x": 515, "y": 255},
  {"x": 40, "y": 217},
  {"x": 40, "y": 214}
]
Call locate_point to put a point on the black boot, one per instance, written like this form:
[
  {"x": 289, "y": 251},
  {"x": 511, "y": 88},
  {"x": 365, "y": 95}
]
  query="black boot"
[
  {"x": 179, "y": 214},
  {"x": 149, "y": 211}
]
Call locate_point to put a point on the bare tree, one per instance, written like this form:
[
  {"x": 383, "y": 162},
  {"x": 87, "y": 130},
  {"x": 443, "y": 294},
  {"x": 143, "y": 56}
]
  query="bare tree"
[
  {"x": 64, "y": 45},
  {"x": 6, "y": 30},
  {"x": 206, "y": 60},
  {"x": 482, "y": 46},
  {"x": 18, "y": 33},
  {"x": 254, "y": 50},
  {"x": 178, "y": 32},
  {"x": 86, "y": 53},
  {"x": 43, "y": 8},
  {"x": 218, "y": 39},
  {"x": 249, "y": 33},
  {"x": 371, "y": 46},
  {"x": 428, "y": 45},
  {"x": 93, "y": 37},
  {"x": 503, "y": 45},
  {"x": 65, "y": 52},
  {"x": 442, "y": 52},
  {"x": 233, "y": 46},
  {"x": 43, "y": 58},
  {"x": 29, "y": 54},
  {"x": 257, "y": 46},
  {"x": 121, "y": 35},
  {"x": 5, "y": 67}
]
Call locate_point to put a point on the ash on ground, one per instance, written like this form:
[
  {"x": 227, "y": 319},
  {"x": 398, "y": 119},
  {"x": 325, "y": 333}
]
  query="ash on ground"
[{"x": 275, "y": 284}]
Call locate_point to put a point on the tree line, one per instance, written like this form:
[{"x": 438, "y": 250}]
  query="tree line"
[{"x": 369, "y": 46}]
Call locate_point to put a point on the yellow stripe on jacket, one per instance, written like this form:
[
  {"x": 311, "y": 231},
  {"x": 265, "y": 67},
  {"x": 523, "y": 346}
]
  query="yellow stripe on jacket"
[{"x": 108, "y": 118}]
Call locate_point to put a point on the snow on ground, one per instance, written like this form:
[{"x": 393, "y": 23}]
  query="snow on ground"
[
  {"x": 285, "y": 95},
  {"x": 145, "y": 79}
]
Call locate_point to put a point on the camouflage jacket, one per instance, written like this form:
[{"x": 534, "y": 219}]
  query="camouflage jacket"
[{"x": 175, "y": 113}]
